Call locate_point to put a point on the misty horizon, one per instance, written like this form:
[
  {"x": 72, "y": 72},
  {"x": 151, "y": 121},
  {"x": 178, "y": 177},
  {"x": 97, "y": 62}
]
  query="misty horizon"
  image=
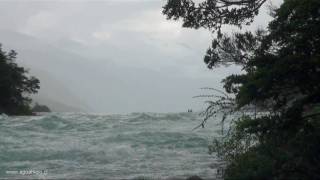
[{"x": 110, "y": 56}]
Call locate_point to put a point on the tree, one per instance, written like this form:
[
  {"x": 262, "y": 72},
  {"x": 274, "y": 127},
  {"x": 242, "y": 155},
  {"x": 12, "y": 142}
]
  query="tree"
[
  {"x": 281, "y": 80},
  {"x": 15, "y": 85},
  {"x": 40, "y": 108},
  {"x": 213, "y": 14}
]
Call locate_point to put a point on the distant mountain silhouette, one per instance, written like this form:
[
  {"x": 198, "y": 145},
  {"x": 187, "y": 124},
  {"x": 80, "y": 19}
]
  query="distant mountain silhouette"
[
  {"x": 31, "y": 54},
  {"x": 58, "y": 106},
  {"x": 101, "y": 85}
]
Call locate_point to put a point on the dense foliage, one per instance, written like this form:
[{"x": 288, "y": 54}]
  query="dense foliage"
[
  {"x": 213, "y": 14},
  {"x": 281, "y": 81},
  {"x": 40, "y": 108},
  {"x": 15, "y": 85}
]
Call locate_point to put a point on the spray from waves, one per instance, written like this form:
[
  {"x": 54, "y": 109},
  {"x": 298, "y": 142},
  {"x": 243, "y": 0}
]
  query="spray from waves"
[{"x": 136, "y": 145}]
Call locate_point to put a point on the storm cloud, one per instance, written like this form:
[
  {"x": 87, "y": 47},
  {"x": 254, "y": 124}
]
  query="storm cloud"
[{"x": 111, "y": 56}]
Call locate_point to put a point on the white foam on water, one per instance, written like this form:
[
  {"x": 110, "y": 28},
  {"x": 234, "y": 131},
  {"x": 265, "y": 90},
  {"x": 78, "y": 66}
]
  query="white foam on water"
[{"x": 132, "y": 146}]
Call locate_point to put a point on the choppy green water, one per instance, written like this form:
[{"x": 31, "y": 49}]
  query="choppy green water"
[{"x": 106, "y": 146}]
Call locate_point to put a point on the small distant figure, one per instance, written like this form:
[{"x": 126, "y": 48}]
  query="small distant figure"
[{"x": 189, "y": 110}]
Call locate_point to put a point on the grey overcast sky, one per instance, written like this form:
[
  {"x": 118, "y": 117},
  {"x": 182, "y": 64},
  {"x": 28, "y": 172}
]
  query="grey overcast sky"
[{"x": 111, "y": 56}]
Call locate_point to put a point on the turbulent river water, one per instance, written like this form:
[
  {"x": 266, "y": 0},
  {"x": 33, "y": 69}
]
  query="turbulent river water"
[{"x": 133, "y": 146}]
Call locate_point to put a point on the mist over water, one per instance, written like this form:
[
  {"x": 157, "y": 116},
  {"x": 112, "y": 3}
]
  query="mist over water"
[{"x": 73, "y": 145}]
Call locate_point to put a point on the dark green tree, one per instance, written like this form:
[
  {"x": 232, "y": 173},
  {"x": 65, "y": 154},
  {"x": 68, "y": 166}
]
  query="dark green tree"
[
  {"x": 278, "y": 135},
  {"x": 213, "y": 14},
  {"x": 15, "y": 85},
  {"x": 40, "y": 108}
]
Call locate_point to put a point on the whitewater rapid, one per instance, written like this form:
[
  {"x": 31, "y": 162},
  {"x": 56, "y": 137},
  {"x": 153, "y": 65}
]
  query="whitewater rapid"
[{"x": 133, "y": 146}]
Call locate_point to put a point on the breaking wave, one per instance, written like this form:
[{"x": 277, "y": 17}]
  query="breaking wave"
[{"x": 132, "y": 146}]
